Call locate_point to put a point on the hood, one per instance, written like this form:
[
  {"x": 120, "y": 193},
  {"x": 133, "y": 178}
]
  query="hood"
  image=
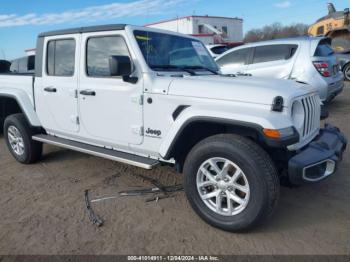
[{"x": 241, "y": 89}]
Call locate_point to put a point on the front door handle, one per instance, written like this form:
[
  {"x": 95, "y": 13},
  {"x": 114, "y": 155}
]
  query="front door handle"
[
  {"x": 87, "y": 93},
  {"x": 50, "y": 89}
]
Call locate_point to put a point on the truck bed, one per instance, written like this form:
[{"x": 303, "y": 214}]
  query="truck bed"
[{"x": 24, "y": 82}]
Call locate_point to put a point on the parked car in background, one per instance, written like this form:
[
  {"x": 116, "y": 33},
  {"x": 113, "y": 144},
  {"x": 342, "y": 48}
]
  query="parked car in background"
[
  {"x": 309, "y": 60},
  {"x": 343, "y": 59},
  {"x": 218, "y": 49},
  {"x": 4, "y": 66},
  {"x": 23, "y": 65}
]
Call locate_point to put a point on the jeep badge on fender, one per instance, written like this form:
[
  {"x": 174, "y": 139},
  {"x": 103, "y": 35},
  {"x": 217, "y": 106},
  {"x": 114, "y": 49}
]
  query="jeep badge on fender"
[{"x": 152, "y": 132}]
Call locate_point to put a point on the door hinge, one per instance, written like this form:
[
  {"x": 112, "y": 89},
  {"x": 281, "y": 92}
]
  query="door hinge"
[
  {"x": 137, "y": 99},
  {"x": 77, "y": 120},
  {"x": 137, "y": 130},
  {"x": 76, "y": 93}
]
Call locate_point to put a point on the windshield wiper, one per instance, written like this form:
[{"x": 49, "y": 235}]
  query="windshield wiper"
[
  {"x": 202, "y": 67},
  {"x": 179, "y": 68}
]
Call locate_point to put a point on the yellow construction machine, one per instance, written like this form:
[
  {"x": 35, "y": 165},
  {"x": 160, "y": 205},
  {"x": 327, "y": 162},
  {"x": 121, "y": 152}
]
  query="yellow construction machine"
[{"x": 335, "y": 25}]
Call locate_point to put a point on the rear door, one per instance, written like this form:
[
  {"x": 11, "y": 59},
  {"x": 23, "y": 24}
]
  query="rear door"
[
  {"x": 56, "y": 92},
  {"x": 272, "y": 61},
  {"x": 234, "y": 62}
]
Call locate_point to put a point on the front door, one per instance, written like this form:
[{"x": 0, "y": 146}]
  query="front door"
[
  {"x": 56, "y": 99},
  {"x": 110, "y": 108},
  {"x": 234, "y": 62}
]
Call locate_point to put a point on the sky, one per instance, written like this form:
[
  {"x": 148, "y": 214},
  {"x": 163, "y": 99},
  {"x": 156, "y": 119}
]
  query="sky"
[{"x": 22, "y": 20}]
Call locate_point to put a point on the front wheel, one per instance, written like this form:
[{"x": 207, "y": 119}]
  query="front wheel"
[
  {"x": 347, "y": 72},
  {"x": 231, "y": 182}
]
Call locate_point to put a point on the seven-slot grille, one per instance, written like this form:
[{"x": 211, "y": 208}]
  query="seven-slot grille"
[{"x": 312, "y": 109}]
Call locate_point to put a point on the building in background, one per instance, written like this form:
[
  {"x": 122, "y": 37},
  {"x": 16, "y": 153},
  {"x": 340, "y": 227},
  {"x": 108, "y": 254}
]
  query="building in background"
[
  {"x": 30, "y": 52},
  {"x": 209, "y": 29}
]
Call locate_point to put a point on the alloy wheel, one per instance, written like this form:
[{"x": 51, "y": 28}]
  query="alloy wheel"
[
  {"x": 223, "y": 186},
  {"x": 16, "y": 140}
]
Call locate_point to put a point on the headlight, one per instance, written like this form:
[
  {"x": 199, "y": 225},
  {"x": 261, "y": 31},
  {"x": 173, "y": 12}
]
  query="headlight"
[{"x": 298, "y": 115}]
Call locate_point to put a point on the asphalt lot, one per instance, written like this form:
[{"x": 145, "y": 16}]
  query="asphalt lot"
[{"x": 43, "y": 211}]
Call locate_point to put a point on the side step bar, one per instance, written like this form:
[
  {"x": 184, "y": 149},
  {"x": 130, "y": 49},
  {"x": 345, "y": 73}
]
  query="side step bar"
[{"x": 139, "y": 161}]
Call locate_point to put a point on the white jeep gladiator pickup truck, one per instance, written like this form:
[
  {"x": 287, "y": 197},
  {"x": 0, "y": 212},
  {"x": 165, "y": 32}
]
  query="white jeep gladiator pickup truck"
[{"x": 145, "y": 97}]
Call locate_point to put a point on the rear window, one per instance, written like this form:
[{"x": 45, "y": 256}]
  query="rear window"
[
  {"x": 31, "y": 63},
  {"x": 271, "y": 53},
  {"x": 324, "y": 49},
  {"x": 218, "y": 50}
]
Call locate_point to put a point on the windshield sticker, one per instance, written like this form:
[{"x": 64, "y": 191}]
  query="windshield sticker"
[
  {"x": 143, "y": 38},
  {"x": 199, "y": 48}
]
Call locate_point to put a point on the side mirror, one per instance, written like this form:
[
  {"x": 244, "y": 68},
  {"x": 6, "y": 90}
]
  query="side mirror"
[{"x": 120, "y": 66}]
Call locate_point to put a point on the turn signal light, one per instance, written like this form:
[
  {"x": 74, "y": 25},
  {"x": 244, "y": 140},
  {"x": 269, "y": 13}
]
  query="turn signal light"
[{"x": 272, "y": 133}]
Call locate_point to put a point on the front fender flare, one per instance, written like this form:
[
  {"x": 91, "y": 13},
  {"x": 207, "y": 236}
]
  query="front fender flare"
[{"x": 257, "y": 122}]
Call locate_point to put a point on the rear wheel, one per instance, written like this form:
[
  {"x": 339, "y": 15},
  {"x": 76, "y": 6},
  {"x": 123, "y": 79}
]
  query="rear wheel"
[
  {"x": 18, "y": 136},
  {"x": 347, "y": 72},
  {"x": 231, "y": 182}
]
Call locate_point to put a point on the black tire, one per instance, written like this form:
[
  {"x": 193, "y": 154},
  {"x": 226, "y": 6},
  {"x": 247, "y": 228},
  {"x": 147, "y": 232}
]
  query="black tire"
[
  {"x": 1, "y": 125},
  {"x": 260, "y": 173},
  {"x": 32, "y": 149},
  {"x": 346, "y": 71}
]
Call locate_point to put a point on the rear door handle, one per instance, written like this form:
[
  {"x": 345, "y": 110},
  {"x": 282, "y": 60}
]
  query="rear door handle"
[
  {"x": 87, "y": 93},
  {"x": 50, "y": 89}
]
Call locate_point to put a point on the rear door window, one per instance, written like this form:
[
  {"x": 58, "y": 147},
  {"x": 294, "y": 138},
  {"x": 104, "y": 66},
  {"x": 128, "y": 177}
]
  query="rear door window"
[
  {"x": 218, "y": 50},
  {"x": 61, "y": 57},
  {"x": 272, "y": 53},
  {"x": 239, "y": 57}
]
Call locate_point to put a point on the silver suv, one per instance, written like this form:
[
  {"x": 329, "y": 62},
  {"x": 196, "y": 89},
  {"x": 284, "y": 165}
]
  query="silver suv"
[{"x": 306, "y": 59}]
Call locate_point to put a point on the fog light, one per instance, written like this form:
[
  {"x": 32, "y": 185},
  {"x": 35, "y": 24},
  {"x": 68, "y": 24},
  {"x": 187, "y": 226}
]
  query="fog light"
[{"x": 319, "y": 171}]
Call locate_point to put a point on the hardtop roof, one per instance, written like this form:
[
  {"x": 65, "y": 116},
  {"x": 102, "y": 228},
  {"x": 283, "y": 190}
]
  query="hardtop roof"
[{"x": 87, "y": 29}]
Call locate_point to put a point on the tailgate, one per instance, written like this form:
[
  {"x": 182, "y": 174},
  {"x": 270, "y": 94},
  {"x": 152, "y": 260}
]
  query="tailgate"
[{"x": 323, "y": 53}]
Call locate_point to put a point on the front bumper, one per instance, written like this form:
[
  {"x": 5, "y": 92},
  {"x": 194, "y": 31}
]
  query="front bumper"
[
  {"x": 319, "y": 159},
  {"x": 334, "y": 89}
]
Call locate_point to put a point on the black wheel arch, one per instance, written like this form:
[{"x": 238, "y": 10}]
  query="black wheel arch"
[
  {"x": 198, "y": 128},
  {"x": 9, "y": 105}
]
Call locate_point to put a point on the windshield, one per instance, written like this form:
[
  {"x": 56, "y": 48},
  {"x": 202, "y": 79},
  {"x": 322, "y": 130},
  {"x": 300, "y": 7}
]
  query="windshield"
[{"x": 164, "y": 52}]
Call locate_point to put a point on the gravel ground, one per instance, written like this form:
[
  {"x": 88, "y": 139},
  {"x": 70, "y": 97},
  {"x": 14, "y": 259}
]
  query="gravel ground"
[{"x": 43, "y": 211}]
